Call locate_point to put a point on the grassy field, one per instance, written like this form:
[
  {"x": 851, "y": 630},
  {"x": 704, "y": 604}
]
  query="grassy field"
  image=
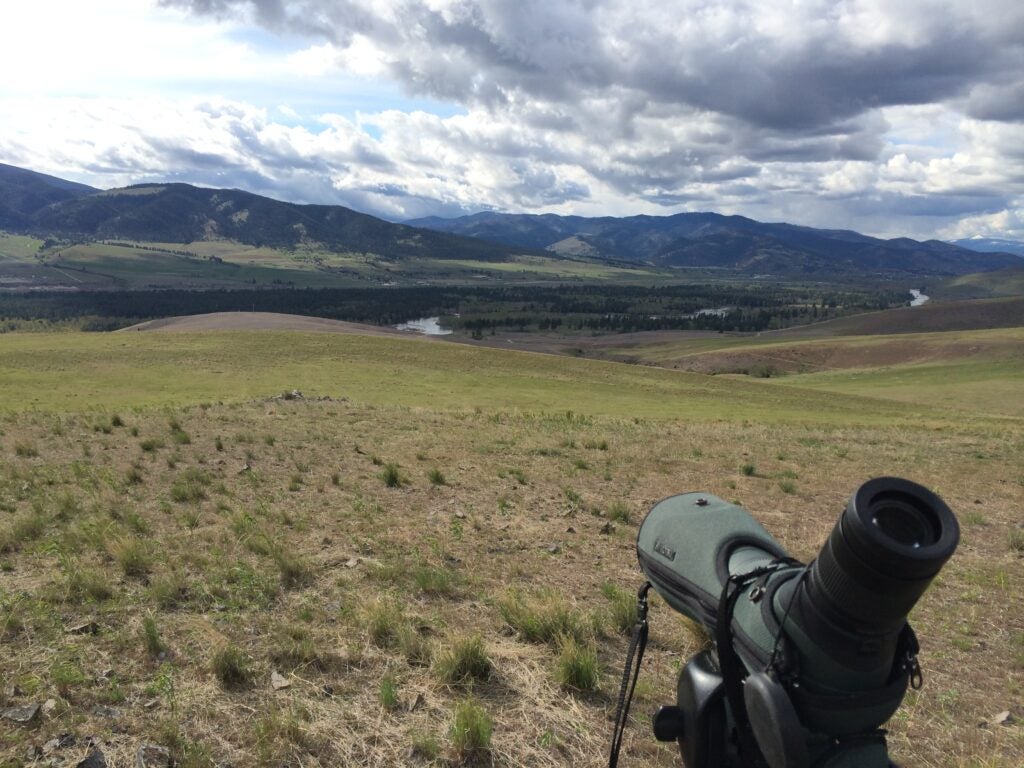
[
  {"x": 131, "y": 369},
  {"x": 431, "y": 554},
  {"x": 222, "y": 263},
  {"x": 1001, "y": 282},
  {"x": 18, "y": 247},
  {"x": 969, "y": 371}
]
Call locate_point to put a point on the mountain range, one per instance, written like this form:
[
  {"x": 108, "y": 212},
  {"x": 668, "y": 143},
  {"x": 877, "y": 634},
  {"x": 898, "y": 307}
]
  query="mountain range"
[
  {"x": 991, "y": 245},
  {"x": 729, "y": 242},
  {"x": 48, "y": 206},
  {"x": 180, "y": 213}
]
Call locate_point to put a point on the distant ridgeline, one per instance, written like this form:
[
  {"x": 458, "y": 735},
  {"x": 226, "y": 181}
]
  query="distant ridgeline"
[
  {"x": 475, "y": 309},
  {"x": 180, "y": 213}
]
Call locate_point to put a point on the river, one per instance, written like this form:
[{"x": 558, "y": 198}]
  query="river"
[
  {"x": 429, "y": 326},
  {"x": 919, "y": 298}
]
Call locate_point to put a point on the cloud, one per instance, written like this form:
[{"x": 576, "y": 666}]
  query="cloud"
[
  {"x": 793, "y": 66},
  {"x": 894, "y": 118}
]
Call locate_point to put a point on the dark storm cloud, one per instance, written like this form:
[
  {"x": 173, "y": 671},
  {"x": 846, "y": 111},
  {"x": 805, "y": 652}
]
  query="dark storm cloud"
[
  {"x": 997, "y": 102},
  {"x": 709, "y": 57}
]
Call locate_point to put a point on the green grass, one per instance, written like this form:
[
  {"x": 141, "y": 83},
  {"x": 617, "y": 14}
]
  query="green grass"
[
  {"x": 466, "y": 660},
  {"x": 231, "y": 667},
  {"x": 125, "y": 370},
  {"x": 18, "y": 247},
  {"x": 577, "y": 665},
  {"x": 471, "y": 732},
  {"x": 991, "y": 388},
  {"x": 351, "y": 584}
]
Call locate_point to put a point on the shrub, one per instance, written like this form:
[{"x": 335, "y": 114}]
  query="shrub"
[
  {"x": 151, "y": 637},
  {"x": 433, "y": 580},
  {"x": 543, "y": 617},
  {"x": 388, "y": 691},
  {"x": 436, "y": 477},
  {"x": 190, "y": 486},
  {"x": 425, "y": 747},
  {"x": 471, "y": 732},
  {"x": 623, "y": 607},
  {"x": 619, "y": 512},
  {"x": 385, "y": 624},
  {"x": 169, "y": 591},
  {"x": 132, "y": 555},
  {"x": 577, "y": 664},
  {"x": 26, "y": 527},
  {"x": 466, "y": 660},
  {"x": 391, "y": 476},
  {"x": 415, "y": 647},
  {"x": 787, "y": 486},
  {"x": 1016, "y": 540},
  {"x": 294, "y": 647},
  {"x": 231, "y": 667},
  {"x": 150, "y": 445},
  {"x": 66, "y": 674},
  {"x": 25, "y": 450},
  {"x": 295, "y": 571},
  {"x": 86, "y": 583},
  {"x": 748, "y": 470}
]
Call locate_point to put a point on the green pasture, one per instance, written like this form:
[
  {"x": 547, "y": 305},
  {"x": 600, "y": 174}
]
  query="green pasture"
[
  {"x": 985, "y": 387},
  {"x": 139, "y": 267},
  {"x": 72, "y": 372},
  {"x": 18, "y": 247},
  {"x": 539, "y": 265},
  {"x": 970, "y": 371}
]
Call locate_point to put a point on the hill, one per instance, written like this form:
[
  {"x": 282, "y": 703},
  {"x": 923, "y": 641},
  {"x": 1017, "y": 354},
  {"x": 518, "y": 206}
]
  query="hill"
[
  {"x": 24, "y": 192},
  {"x": 180, "y": 213},
  {"x": 710, "y": 240},
  {"x": 1000, "y": 282}
]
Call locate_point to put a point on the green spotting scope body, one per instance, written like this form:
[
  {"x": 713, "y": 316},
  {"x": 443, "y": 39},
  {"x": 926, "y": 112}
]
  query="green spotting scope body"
[{"x": 826, "y": 650}]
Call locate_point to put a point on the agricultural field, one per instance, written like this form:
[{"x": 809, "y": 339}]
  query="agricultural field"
[{"x": 427, "y": 557}]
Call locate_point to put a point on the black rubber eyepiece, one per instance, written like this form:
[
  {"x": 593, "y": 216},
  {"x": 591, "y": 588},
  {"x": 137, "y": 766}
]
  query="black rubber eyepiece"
[{"x": 889, "y": 543}]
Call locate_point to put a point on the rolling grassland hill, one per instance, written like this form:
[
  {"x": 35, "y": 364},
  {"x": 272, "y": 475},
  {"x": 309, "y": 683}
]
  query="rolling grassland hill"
[{"x": 433, "y": 534}]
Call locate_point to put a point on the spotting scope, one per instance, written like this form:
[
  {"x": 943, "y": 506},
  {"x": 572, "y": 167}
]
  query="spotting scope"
[{"x": 807, "y": 662}]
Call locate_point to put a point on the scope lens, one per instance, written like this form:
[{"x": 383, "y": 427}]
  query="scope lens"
[
  {"x": 885, "y": 549},
  {"x": 905, "y": 519}
]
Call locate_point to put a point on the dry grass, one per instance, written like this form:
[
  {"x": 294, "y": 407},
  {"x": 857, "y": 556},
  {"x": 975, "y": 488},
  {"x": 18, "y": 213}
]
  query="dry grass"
[{"x": 206, "y": 577}]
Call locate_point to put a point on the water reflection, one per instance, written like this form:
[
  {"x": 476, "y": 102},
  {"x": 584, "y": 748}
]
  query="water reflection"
[
  {"x": 430, "y": 326},
  {"x": 918, "y": 298}
]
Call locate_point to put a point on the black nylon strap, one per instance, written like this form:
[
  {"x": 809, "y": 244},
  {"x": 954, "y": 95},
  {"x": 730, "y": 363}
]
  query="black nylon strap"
[
  {"x": 729, "y": 661},
  {"x": 637, "y": 645},
  {"x": 732, "y": 670}
]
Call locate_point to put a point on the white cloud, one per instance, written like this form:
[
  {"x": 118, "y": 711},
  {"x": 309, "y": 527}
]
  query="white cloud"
[{"x": 895, "y": 118}]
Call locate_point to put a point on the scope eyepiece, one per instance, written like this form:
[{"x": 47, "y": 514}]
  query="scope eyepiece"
[{"x": 889, "y": 543}]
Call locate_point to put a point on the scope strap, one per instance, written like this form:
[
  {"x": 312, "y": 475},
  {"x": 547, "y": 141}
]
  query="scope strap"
[
  {"x": 631, "y": 672},
  {"x": 730, "y": 663}
]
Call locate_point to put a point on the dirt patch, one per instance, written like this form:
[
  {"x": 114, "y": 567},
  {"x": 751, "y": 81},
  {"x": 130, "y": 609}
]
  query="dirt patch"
[{"x": 825, "y": 356}]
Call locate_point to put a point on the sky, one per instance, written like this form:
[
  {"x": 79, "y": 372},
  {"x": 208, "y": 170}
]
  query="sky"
[{"x": 891, "y": 118}]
